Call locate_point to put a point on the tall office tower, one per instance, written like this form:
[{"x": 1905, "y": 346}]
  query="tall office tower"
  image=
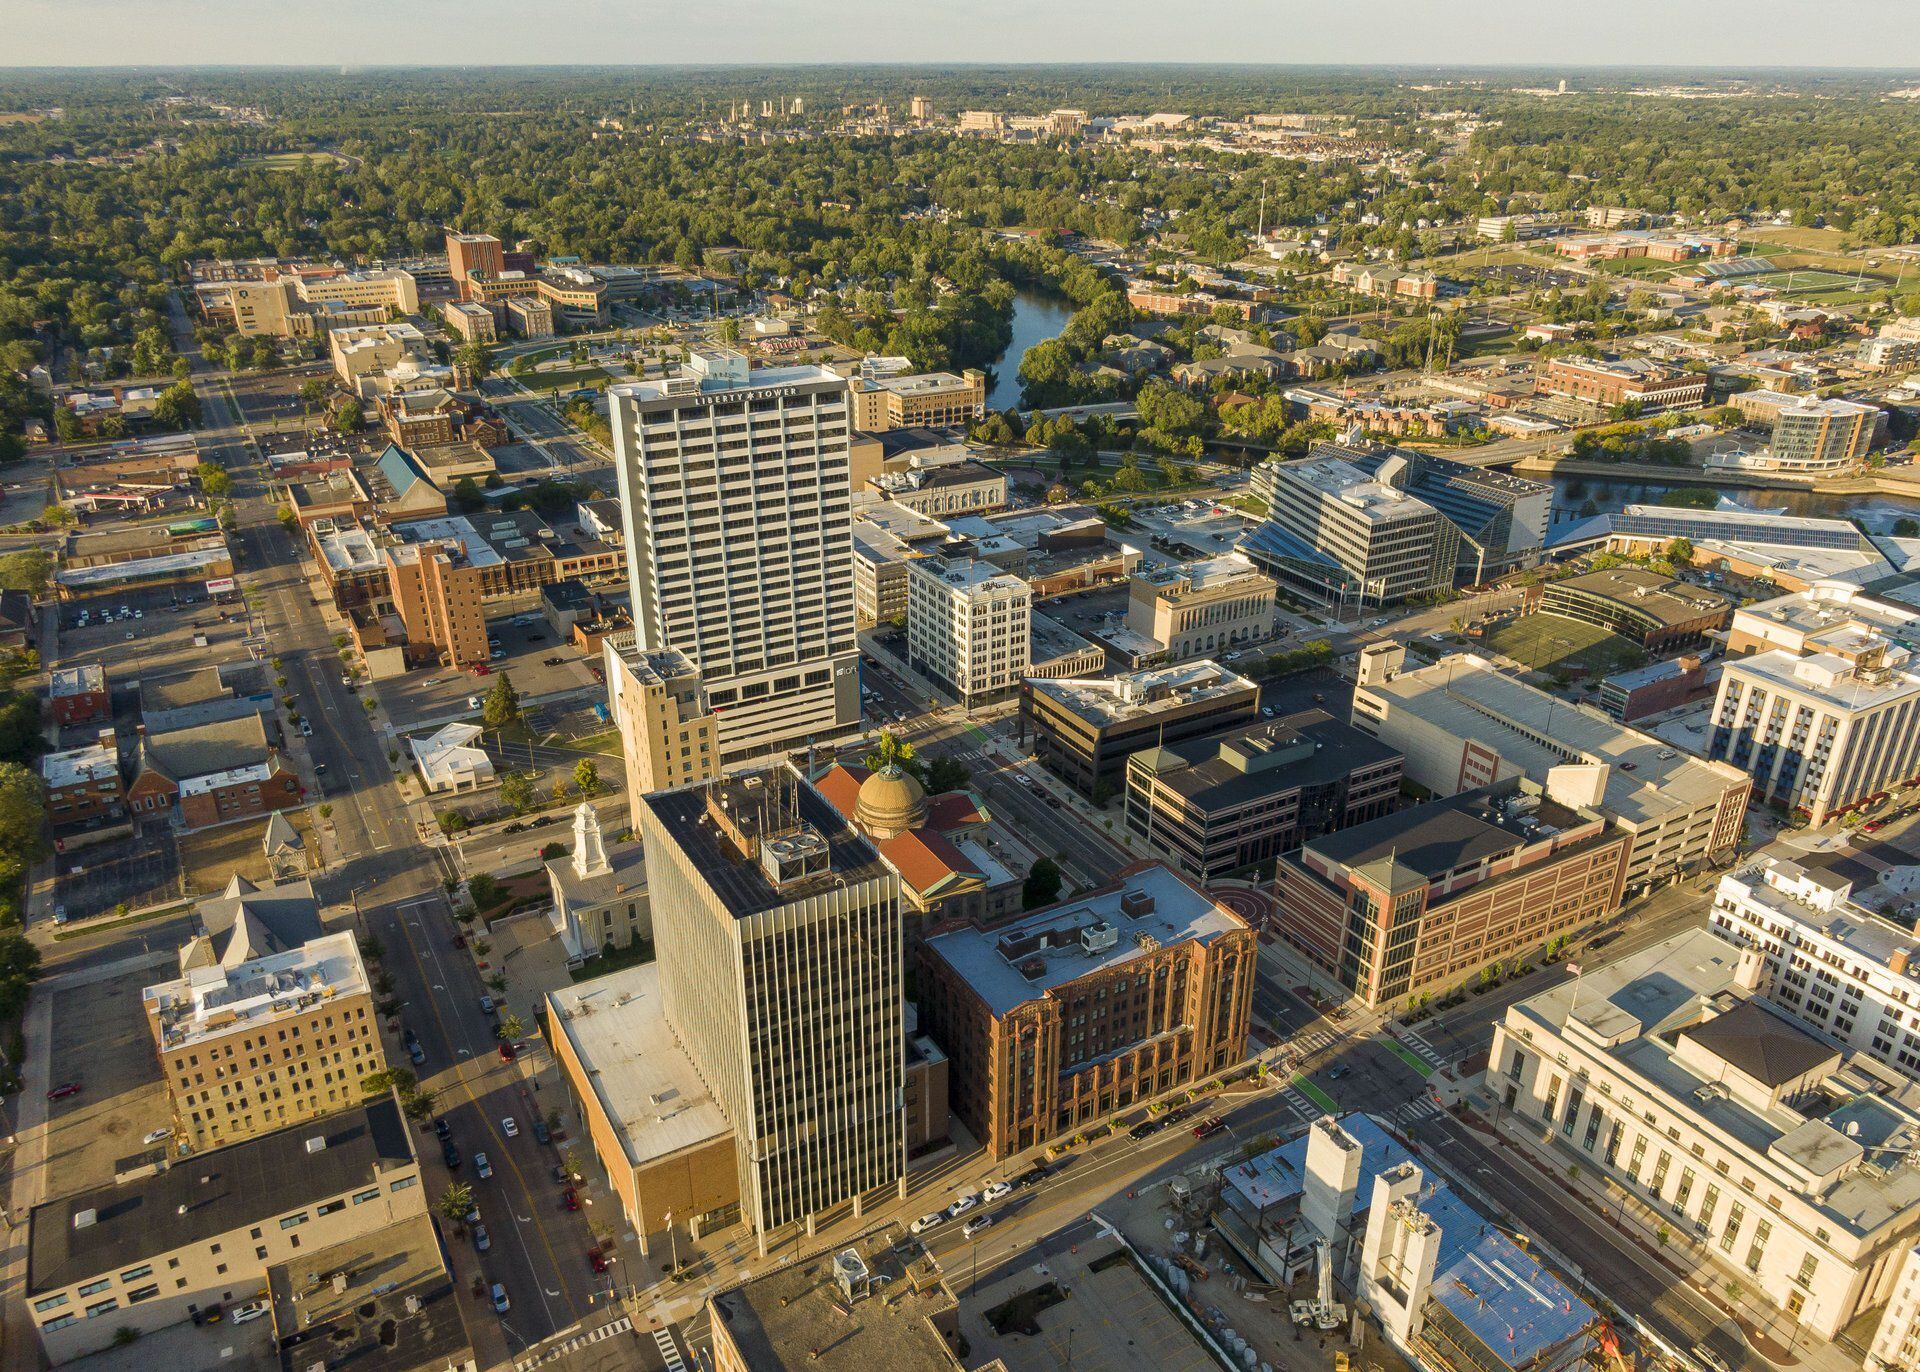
[
  {"x": 469, "y": 253},
  {"x": 735, "y": 493},
  {"x": 779, "y": 931}
]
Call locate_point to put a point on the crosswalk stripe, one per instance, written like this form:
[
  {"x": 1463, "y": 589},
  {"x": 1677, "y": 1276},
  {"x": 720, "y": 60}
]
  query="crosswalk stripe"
[{"x": 669, "y": 1351}]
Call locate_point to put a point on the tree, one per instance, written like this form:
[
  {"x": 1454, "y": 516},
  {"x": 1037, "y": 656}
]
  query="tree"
[
  {"x": 502, "y": 704},
  {"x": 347, "y": 417},
  {"x": 890, "y": 750},
  {"x": 1906, "y": 528},
  {"x": 586, "y": 776},
  {"x": 1680, "y": 552},
  {"x": 467, "y": 494},
  {"x": 516, "y": 791},
  {"x": 177, "y": 407},
  {"x": 456, "y": 1202},
  {"x": 474, "y": 358},
  {"x": 23, "y": 799},
  {"x": 947, "y": 774},
  {"x": 313, "y": 392},
  {"x": 451, "y": 822},
  {"x": 214, "y": 480},
  {"x": 418, "y": 1104},
  {"x": 28, "y": 569},
  {"x": 513, "y": 1027},
  {"x": 1042, "y": 886},
  {"x": 399, "y": 1079}
]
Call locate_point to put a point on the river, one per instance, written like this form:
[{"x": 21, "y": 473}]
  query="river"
[
  {"x": 1037, "y": 316},
  {"x": 1572, "y": 494}
]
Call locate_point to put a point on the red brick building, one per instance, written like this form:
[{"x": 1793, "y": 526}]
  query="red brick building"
[
  {"x": 78, "y": 695},
  {"x": 1419, "y": 901},
  {"x": 1088, "y": 1007},
  {"x": 1615, "y": 381},
  {"x": 83, "y": 783},
  {"x": 212, "y": 773}
]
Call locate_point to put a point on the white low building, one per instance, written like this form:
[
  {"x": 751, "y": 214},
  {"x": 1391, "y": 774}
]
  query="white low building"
[
  {"x": 1833, "y": 963},
  {"x": 1735, "y": 1131},
  {"x": 449, "y": 761}
]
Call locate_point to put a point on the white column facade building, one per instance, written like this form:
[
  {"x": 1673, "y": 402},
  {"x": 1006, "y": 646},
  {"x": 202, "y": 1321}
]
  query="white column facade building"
[
  {"x": 970, "y": 625},
  {"x": 735, "y": 497}
]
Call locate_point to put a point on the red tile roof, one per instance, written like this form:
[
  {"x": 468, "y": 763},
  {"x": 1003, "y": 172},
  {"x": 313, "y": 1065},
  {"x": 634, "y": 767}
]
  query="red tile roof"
[
  {"x": 925, "y": 859},
  {"x": 840, "y": 785}
]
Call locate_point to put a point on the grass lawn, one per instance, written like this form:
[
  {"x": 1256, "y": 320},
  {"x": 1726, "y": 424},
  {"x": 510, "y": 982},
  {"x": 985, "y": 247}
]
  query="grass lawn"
[
  {"x": 286, "y": 161},
  {"x": 567, "y": 379},
  {"x": 1551, "y": 643}
]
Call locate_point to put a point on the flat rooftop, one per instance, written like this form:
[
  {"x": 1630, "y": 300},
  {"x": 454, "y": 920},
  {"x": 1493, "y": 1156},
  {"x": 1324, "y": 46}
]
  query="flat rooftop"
[
  {"x": 796, "y": 1317},
  {"x": 1740, "y": 524},
  {"x": 1429, "y": 841},
  {"x": 1209, "y": 576},
  {"x": 84, "y": 679},
  {"x": 73, "y": 766},
  {"x": 1832, "y": 678},
  {"x": 1012, "y": 964},
  {"x": 1466, "y": 696},
  {"x": 1362, "y": 495},
  {"x": 740, "y": 883},
  {"x": 369, "y": 1325},
  {"x": 1867, "y": 936},
  {"x": 208, "y": 1002},
  {"x": 1107, "y": 701},
  {"x": 210, "y": 1194},
  {"x": 642, "y": 1077},
  {"x": 1265, "y": 758}
]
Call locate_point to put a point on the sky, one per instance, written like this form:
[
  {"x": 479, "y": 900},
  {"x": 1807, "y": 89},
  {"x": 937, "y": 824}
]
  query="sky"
[{"x": 1701, "y": 33}]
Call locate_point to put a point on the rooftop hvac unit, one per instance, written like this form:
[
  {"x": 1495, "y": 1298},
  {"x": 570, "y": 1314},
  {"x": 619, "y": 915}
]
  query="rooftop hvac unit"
[
  {"x": 850, "y": 1274},
  {"x": 84, "y": 1219},
  {"x": 317, "y": 1144},
  {"x": 1098, "y": 937}
]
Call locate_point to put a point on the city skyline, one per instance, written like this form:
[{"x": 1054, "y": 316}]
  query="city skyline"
[{"x": 1374, "y": 33}]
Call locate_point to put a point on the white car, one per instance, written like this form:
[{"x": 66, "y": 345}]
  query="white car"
[
  {"x": 926, "y": 1222},
  {"x": 962, "y": 1205},
  {"x": 473, "y": 702},
  {"x": 482, "y": 1168},
  {"x": 976, "y": 1224},
  {"x": 157, "y": 1135},
  {"x": 252, "y": 1310},
  {"x": 510, "y": 1127},
  {"x": 996, "y": 1190}
]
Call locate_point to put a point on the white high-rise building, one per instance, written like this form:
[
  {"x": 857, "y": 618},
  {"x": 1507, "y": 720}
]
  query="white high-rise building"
[
  {"x": 735, "y": 495},
  {"x": 1834, "y": 964},
  {"x": 969, "y": 625}
]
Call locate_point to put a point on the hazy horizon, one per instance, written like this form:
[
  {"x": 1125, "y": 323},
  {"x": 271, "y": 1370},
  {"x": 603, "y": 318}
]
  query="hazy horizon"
[{"x": 1698, "y": 35}]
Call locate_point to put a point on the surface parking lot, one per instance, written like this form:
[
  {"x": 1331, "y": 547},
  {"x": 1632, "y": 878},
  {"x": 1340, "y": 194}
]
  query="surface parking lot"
[
  {"x": 100, "y": 1040},
  {"x": 538, "y": 663},
  {"x": 154, "y": 637},
  {"x": 136, "y": 871}
]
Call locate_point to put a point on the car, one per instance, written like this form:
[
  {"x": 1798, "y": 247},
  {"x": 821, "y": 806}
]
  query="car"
[
  {"x": 59, "y": 914},
  {"x": 442, "y": 1128},
  {"x": 486, "y": 1004},
  {"x": 481, "y": 1167},
  {"x": 139, "y": 614},
  {"x": 1338, "y": 1072},
  {"x": 473, "y": 702},
  {"x": 542, "y": 1134},
  {"x": 569, "y": 1198},
  {"x": 481, "y": 1241},
  {"x": 63, "y": 1090},
  {"x": 1147, "y": 1128},
  {"x": 416, "y": 1053},
  {"x": 976, "y": 1224},
  {"x": 129, "y": 633},
  {"x": 596, "y": 1260},
  {"x": 961, "y": 1205},
  {"x": 496, "y": 654},
  {"x": 510, "y": 1127},
  {"x": 473, "y": 1213},
  {"x": 926, "y": 1222},
  {"x": 540, "y": 821},
  {"x": 450, "y": 1155},
  {"x": 252, "y": 1310},
  {"x": 995, "y": 1190},
  {"x": 459, "y": 940},
  {"x": 1033, "y": 1176},
  {"x": 518, "y": 826},
  {"x": 154, "y": 1136},
  {"x": 1022, "y": 779},
  {"x": 1209, "y": 1127},
  {"x": 560, "y": 1174},
  {"x": 500, "y": 1302},
  {"x": 506, "y": 1051}
]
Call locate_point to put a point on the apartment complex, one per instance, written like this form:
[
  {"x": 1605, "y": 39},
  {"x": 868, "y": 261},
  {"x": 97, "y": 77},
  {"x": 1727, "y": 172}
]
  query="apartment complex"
[
  {"x": 1082, "y": 729},
  {"x": 1415, "y": 903},
  {"x": 472, "y": 322},
  {"x": 925, "y": 400},
  {"x": 735, "y": 494},
  {"x": 1215, "y": 805},
  {"x": 1088, "y": 1007},
  {"x": 1717, "y": 1112},
  {"x": 669, "y": 735},
  {"x": 1824, "y": 711},
  {"x": 262, "y": 1037},
  {"x": 969, "y": 626},
  {"x": 1656, "y": 612},
  {"x": 436, "y": 589},
  {"x": 1462, "y": 724},
  {"x": 1895, "y": 348},
  {"x": 1608, "y": 381},
  {"x": 1850, "y": 973},
  {"x": 780, "y": 975},
  {"x": 1201, "y": 609},
  {"x": 193, "y": 1238},
  {"x": 1347, "y": 538},
  {"x": 1822, "y": 434}
]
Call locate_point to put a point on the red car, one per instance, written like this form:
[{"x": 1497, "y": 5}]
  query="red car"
[
  {"x": 1208, "y": 1127},
  {"x": 65, "y": 1089},
  {"x": 596, "y": 1260},
  {"x": 506, "y": 1052},
  {"x": 569, "y": 1199}
]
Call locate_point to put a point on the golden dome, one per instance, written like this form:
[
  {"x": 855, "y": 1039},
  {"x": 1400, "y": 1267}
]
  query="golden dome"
[{"x": 890, "y": 803}]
